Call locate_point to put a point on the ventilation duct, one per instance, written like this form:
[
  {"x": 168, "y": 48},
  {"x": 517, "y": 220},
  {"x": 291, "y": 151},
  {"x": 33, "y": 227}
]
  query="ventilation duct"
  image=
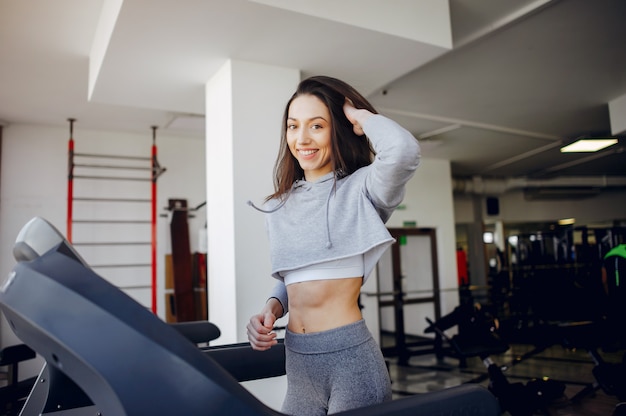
[
  {"x": 556, "y": 188},
  {"x": 534, "y": 194}
]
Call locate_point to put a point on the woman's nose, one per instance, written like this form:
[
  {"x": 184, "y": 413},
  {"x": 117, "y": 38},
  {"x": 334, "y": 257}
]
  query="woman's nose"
[{"x": 302, "y": 136}]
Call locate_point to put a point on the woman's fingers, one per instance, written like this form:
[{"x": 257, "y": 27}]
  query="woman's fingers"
[
  {"x": 260, "y": 337},
  {"x": 352, "y": 114}
]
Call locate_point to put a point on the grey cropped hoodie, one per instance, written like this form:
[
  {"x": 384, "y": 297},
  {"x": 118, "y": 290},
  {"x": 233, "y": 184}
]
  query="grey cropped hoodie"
[{"x": 318, "y": 221}]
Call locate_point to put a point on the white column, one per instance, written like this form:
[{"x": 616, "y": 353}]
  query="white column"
[{"x": 244, "y": 107}]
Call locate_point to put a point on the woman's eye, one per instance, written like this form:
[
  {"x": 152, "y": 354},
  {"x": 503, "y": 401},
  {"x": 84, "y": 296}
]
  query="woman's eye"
[
  {"x": 291, "y": 126},
  {"x": 316, "y": 126}
]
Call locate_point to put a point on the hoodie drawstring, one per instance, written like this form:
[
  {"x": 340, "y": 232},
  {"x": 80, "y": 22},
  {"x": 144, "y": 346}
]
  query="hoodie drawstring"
[
  {"x": 329, "y": 243},
  {"x": 280, "y": 205},
  {"x": 295, "y": 185}
]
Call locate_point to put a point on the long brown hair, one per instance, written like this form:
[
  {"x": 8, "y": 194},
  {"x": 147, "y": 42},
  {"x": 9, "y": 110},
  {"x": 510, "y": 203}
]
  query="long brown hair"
[{"x": 349, "y": 151}]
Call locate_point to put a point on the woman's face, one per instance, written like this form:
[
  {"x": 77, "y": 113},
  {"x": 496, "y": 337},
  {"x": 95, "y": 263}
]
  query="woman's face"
[{"x": 309, "y": 135}]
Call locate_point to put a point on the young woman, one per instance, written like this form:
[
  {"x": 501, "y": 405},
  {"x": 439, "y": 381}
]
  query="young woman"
[{"x": 340, "y": 172}]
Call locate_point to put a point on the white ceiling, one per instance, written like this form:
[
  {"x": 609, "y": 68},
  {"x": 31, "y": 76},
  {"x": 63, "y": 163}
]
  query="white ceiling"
[{"x": 522, "y": 77}]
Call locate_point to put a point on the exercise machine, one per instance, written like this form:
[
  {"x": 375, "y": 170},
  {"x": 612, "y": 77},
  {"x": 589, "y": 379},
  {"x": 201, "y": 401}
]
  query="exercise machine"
[
  {"x": 477, "y": 337},
  {"x": 593, "y": 337},
  {"x": 14, "y": 392},
  {"x": 126, "y": 361}
]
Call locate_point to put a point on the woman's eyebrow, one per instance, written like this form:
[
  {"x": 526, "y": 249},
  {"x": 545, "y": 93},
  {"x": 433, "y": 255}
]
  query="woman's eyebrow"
[{"x": 310, "y": 119}]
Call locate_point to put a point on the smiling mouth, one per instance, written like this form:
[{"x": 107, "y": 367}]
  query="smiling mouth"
[{"x": 306, "y": 152}]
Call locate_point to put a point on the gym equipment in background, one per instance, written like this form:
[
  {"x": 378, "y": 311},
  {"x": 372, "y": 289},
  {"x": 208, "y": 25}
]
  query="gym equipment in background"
[
  {"x": 477, "y": 337},
  {"x": 14, "y": 393},
  {"x": 186, "y": 295}
]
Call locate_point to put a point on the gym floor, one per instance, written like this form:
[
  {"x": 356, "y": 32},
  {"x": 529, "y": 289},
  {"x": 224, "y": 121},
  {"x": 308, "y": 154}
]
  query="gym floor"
[{"x": 425, "y": 373}]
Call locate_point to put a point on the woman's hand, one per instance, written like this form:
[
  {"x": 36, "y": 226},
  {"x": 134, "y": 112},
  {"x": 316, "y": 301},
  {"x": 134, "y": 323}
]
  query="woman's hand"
[
  {"x": 356, "y": 116},
  {"x": 260, "y": 328}
]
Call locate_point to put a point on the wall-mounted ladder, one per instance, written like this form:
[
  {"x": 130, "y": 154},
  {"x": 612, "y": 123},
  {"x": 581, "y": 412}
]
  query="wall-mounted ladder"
[{"x": 107, "y": 198}]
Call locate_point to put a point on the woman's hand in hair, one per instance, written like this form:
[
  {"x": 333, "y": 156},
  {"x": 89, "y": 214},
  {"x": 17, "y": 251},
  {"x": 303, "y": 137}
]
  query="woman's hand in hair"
[{"x": 356, "y": 116}]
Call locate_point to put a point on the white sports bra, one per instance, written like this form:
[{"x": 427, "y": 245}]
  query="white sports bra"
[{"x": 328, "y": 270}]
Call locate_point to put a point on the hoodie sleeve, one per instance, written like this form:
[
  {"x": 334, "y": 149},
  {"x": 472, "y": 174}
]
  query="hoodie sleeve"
[
  {"x": 279, "y": 292},
  {"x": 397, "y": 157}
]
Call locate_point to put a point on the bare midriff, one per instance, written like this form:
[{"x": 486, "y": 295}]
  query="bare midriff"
[{"x": 320, "y": 305}]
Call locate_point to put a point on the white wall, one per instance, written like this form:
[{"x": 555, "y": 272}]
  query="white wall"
[
  {"x": 429, "y": 202},
  {"x": 34, "y": 183}
]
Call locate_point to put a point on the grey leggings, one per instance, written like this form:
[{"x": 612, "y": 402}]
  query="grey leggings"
[{"x": 334, "y": 370}]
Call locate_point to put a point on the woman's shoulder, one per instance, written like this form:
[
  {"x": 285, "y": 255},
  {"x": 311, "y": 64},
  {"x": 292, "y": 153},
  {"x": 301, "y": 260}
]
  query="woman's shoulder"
[
  {"x": 359, "y": 173},
  {"x": 354, "y": 180}
]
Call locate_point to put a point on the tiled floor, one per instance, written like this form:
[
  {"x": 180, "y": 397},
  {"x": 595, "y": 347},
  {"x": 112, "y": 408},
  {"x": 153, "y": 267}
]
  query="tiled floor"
[{"x": 573, "y": 368}]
